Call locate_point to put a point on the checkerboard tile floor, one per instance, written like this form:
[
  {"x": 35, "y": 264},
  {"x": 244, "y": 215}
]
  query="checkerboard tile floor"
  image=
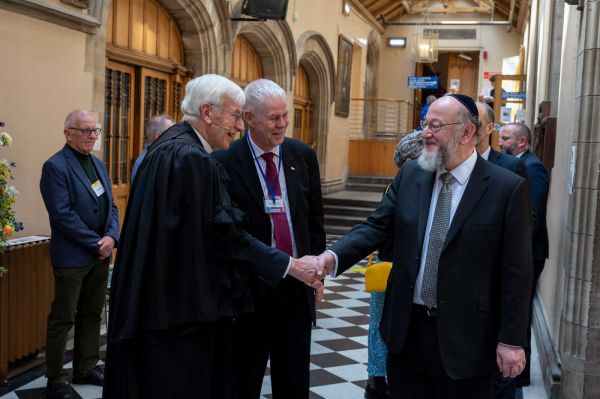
[{"x": 338, "y": 368}]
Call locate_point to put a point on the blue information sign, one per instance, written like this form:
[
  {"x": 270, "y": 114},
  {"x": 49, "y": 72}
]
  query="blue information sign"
[
  {"x": 422, "y": 82},
  {"x": 518, "y": 95}
]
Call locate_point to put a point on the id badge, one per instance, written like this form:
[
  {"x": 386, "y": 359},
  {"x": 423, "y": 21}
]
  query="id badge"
[
  {"x": 274, "y": 206},
  {"x": 98, "y": 188}
]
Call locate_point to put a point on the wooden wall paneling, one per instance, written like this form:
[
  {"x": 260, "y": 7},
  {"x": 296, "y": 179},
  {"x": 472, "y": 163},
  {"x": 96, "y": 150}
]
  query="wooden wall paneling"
[
  {"x": 163, "y": 34},
  {"x": 175, "y": 50},
  {"x": 3, "y": 323},
  {"x": 137, "y": 25},
  {"x": 150, "y": 28},
  {"x": 110, "y": 25},
  {"x": 246, "y": 65},
  {"x": 372, "y": 158},
  {"x": 121, "y": 35}
]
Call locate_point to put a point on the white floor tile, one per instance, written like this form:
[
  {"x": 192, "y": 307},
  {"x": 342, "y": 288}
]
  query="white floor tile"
[
  {"x": 355, "y": 294},
  {"x": 349, "y": 303},
  {"x": 350, "y": 372},
  {"x": 324, "y": 335},
  {"x": 316, "y": 349},
  {"x": 332, "y": 322},
  {"x": 346, "y": 390},
  {"x": 340, "y": 312},
  {"x": 358, "y": 355}
]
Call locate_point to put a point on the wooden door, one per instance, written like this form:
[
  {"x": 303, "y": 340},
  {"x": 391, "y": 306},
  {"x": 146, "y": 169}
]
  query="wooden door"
[
  {"x": 246, "y": 65},
  {"x": 119, "y": 129},
  {"x": 303, "y": 109},
  {"x": 465, "y": 70},
  {"x": 155, "y": 99}
]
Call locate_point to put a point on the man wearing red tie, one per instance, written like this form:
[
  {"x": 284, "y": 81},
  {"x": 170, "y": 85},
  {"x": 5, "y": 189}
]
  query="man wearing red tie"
[{"x": 276, "y": 181}]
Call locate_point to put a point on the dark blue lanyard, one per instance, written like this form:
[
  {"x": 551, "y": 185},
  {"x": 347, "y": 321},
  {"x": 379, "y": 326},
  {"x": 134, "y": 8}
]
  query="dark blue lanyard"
[{"x": 271, "y": 190}]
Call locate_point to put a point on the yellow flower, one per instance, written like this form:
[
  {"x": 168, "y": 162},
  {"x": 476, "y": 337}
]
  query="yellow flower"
[{"x": 7, "y": 230}]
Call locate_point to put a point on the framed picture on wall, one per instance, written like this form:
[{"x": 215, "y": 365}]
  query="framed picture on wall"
[{"x": 344, "y": 74}]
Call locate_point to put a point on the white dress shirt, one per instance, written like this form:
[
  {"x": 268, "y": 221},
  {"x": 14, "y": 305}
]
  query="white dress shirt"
[
  {"x": 486, "y": 153},
  {"x": 257, "y": 152},
  {"x": 207, "y": 146}
]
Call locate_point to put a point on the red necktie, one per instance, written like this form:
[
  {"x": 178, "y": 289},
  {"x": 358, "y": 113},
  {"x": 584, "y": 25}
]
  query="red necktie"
[{"x": 281, "y": 227}]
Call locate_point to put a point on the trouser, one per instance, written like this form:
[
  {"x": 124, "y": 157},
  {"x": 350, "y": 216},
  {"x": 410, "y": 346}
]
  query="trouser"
[
  {"x": 417, "y": 371},
  {"x": 79, "y": 295}
]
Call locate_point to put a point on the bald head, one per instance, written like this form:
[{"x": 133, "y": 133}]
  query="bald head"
[{"x": 486, "y": 121}]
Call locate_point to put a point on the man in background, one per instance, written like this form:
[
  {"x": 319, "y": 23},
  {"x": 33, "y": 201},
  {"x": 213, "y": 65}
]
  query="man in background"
[
  {"x": 85, "y": 228},
  {"x": 154, "y": 128},
  {"x": 515, "y": 139}
]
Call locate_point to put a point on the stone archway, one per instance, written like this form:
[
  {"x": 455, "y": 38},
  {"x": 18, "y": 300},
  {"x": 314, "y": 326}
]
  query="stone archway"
[
  {"x": 205, "y": 32},
  {"x": 274, "y": 43},
  {"x": 317, "y": 60}
]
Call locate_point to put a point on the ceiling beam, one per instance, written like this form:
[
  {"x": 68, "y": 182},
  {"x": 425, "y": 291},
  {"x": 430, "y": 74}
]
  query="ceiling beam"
[
  {"x": 395, "y": 14},
  {"x": 523, "y": 15},
  {"x": 377, "y": 5},
  {"x": 368, "y": 3},
  {"x": 386, "y": 10},
  {"x": 367, "y": 16},
  {"x": 451, "y": 9},
  {"x": 406, "y": 6}
]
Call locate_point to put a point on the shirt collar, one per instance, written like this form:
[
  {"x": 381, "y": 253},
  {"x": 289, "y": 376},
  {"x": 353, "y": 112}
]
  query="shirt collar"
[
  {"x": 205, "y": 144},
  {"x": 257, "y": 151},
  {"x": 486, "y": 153},
  {"x": 463, "y": 171},
  {"x": 519, "y": 155}
]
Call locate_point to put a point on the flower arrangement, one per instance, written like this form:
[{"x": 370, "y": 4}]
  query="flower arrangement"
[{"x": 8, "y": 194}]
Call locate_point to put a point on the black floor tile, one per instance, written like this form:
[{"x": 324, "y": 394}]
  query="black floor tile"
[
  {"x": 343, "y": 344},
  {"x": 330, "y": 360},
  {"x": 323, "y": 377}
]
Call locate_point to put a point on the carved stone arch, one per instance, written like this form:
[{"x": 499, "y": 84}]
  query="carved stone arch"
[
  {"x": 317, "y": 60},
  {"x": 205, "y": 33},
  {"x": 274, "y": 43}
]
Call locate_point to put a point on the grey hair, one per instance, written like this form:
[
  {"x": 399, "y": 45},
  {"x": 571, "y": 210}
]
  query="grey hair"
[
  {"x": 430, "y": 98},
  {"x": 488, "y": 110},
  {"x": 519, "y": 130},
  {"x": 465, "y": 117},
  {"x": 73, "y": 115},
  {"x": 155, "y": 126},
  {"x": 208, "y": 89},
  {"x": 261, "y": 89}
]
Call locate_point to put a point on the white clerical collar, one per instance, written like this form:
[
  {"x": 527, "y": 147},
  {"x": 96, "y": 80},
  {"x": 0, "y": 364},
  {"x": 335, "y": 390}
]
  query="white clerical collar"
[
  {"x": 486, "y": 153},
  {"x": 463, "y": 171},
  {"x": 258, "y": 151},
  {"x": 205, "y": 144}
]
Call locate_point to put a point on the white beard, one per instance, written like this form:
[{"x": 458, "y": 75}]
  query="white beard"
[{"x": 441, "y": 156}]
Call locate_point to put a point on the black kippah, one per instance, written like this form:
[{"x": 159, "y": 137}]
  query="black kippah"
[{"x": 468, "y": 103}]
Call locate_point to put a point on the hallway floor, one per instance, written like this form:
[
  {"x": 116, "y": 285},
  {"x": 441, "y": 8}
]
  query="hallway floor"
[{"x": 338, "y": 351}]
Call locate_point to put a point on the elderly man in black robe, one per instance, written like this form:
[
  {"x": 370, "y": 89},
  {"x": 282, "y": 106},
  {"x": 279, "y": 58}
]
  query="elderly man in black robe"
[{"x": 174, "y": 292}]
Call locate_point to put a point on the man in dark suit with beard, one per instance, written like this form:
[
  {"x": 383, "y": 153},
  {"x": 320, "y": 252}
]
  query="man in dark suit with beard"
[
  {"x": 276, "y": 181},
  {"x": 456, "y": 304}
]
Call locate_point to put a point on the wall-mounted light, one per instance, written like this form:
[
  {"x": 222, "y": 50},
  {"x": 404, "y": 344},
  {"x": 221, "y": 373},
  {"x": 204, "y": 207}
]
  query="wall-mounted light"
[
  {"x": 396, "y": 42},
  {"x": 346, "y": 7},
  {"x": 465, "y": 57}
]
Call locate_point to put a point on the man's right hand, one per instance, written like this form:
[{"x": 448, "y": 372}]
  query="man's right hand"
[
  {"x": 304, "y": 269},
  {"x": 326, "y": 263}
]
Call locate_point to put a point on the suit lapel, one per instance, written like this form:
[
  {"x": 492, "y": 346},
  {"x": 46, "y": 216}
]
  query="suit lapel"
[
  {"x": 476, "y": 186},
  {"x": 248, "y": 174},
  {"x": 290, "y": 168},
  {"x": 78, "y": 169}
]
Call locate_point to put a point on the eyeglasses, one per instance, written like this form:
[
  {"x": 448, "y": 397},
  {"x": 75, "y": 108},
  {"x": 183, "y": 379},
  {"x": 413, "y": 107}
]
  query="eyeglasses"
[
  {"x": 87, "y": 132},
  {"x": 236, "y": 116},
  {"x": 435, "y": 127}
]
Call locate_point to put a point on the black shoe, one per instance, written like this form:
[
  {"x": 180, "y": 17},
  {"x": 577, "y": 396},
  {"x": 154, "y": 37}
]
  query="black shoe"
[
  {"x": 94, "y": 377},
  {"x": 376, "y": 388},
  {"x": 58, "y": 390}
]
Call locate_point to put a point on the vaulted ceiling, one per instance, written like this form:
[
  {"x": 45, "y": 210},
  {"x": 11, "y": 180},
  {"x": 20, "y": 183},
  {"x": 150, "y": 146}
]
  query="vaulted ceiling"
[{"x": 398, "y": 10}]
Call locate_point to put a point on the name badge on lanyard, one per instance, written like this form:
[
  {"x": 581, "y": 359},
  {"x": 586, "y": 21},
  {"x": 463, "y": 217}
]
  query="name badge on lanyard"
[
  {"x": 274, "y": 205},
  {"x": 98, "y": 188}
]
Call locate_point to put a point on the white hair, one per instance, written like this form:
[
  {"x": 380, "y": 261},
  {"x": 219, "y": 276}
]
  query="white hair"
[
  {"x": 73, "y": 115},
  {"x": 261, "y": 89},
  {"x": 208, "y": 89}
]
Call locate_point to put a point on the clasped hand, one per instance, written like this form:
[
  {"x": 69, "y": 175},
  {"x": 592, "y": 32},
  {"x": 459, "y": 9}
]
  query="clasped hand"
[{"x": 311, "y": 270}]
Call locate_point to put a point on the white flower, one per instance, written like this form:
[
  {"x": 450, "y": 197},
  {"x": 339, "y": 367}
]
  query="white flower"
[{"x": 5, "y": 139}]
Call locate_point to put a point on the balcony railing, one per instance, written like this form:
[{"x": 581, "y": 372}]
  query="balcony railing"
[{"x": 380, "y": 119}]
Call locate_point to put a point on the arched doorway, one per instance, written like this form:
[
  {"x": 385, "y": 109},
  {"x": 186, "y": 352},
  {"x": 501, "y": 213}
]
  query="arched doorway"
[
  {"x": 246, "y": 65},
  {"x": 303, "y": 108},
  {"x": 145, "y": 76}
]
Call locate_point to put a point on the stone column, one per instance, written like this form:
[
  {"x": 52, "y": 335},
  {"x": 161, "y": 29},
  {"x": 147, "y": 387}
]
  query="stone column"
[{"x": 580, "y": 318}]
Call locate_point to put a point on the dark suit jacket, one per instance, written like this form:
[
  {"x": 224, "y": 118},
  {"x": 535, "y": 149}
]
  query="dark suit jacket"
[
  {"x": 73, "y": 209},
  {"x": 509, "y": 162},
  {"x": 303, "y": 185},
  {"x": 484, "y": 272},
  {"x": 539, "y": 186}
]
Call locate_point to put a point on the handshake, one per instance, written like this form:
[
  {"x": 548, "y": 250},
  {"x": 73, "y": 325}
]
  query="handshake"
[{"x": 311, "y": 270}]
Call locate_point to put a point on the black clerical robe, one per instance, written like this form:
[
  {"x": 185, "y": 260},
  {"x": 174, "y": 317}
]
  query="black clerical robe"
[{"x": 173, "y": 291}]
